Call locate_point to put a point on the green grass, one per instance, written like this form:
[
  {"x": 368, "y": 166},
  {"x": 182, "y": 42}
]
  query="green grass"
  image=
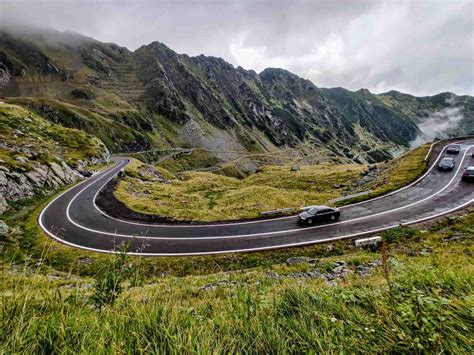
[
  {"x": 115, "y": 128},
  {"x": 46, "y": 141},
  {"x": 402, "y": 170},
  {"x": 202, "y": 196},
  {"x": 198, "y": 159},
  {"x": 428, "y": 307},
  {"x": 396, "y": 174}
]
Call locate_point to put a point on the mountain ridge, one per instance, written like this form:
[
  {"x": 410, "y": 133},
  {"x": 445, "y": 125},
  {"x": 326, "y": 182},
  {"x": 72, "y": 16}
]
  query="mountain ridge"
[{"x": 161, "y": 98}]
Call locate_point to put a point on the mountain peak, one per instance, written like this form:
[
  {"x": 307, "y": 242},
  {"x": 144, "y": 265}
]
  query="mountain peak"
[
  {"x": 276, "y": 72},
  {"x": 364, "y": 91}
]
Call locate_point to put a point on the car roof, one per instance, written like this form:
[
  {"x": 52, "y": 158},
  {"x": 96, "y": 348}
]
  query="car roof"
[
  {"x": 470, "y": 168},
  {"x": 319, "y": 208}
]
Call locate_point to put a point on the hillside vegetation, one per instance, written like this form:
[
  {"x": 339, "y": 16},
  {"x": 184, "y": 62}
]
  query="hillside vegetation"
[
  {"x": 201, "y": 196},
  {"x": 38, "y": 157},
  {"x": 26, "y": 138}
]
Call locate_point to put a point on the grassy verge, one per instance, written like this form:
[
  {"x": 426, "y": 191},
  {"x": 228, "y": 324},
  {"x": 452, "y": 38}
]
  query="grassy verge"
[
  {"x": 202, "y": 196},
  {"x": 422, "y": 303},
  {"x": 396, "y": 174}
]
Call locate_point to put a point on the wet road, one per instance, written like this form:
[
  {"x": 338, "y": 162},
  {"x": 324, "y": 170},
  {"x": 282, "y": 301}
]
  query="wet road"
[{"x": 74, "y": 219}]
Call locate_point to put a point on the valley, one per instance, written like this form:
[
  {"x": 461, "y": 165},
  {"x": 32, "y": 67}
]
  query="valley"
[{"x": 135, "y": 187}]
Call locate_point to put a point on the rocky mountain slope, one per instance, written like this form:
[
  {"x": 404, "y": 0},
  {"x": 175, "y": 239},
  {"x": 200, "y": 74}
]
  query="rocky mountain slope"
[
  {"x": 38, "y": 157},
  {"x": 156, "y": 98}
]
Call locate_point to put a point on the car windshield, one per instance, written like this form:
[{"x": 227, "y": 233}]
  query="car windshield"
[{"x": 314, "y": 210}]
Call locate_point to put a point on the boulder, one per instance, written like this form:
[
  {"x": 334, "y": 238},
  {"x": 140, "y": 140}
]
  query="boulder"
[
  {"x": 57, "y": 170},
  {"x": 456, "y": 237},
  {"x": 3, "y": 228},
  {"x": 23, "y": 183},
  {"x": 38, "y": 177},
  {"x": 3, "y": 204},
  {"x": 22, "y": 160},
  {"x": 69, "y": 174},
  {"x": 3, "y": 178},
  {"x": 365, "y": 269},
  {"x": 298, "y": 260},
  {"x": 17, "y": 186}
]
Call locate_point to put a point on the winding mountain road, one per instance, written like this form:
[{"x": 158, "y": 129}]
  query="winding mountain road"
[{"x": 74, "y": 219}]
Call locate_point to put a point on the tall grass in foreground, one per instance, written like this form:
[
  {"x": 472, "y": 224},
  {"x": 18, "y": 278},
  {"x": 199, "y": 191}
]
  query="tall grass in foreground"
[{"x": 429, "y": 309}]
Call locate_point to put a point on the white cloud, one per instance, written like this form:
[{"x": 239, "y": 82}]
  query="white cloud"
[
  {"x": 419, "y": 47},
  {"x": 247, "y": 57},
  {"x": 439, "y": 124},
  {"x": 416, "y": 47}
]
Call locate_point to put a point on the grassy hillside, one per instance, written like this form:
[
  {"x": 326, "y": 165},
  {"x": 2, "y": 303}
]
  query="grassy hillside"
[
  {"x": 395, "y": 174},
  {"x": 26, "y": 137},
  {"x": 419, "y": 299},
  {"x": 112, "y": 126}
]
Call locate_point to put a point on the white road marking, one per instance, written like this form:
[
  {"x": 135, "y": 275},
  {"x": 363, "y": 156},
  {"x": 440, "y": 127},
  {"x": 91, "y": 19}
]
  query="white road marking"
[{"x": 288, "y": 245}]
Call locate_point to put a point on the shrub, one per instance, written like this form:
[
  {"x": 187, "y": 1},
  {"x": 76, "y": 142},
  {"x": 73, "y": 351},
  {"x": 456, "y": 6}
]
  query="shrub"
[
  {"x": 398, "y": 233},
  {"x": 109, "y": 280}
]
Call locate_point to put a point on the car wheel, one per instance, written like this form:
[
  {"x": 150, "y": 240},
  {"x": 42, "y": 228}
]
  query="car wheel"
[
  {"x": 333, "y": 217},
  {"x": 310, "y": 221}
]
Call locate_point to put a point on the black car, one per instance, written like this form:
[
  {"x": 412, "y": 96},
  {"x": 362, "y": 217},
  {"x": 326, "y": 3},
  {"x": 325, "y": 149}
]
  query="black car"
[
  {"x": 319, "y": 214},
  {"x": 468, "y": 174},
  {"x": 453, "y": 149},
  {"x": 446, "y": 164}
]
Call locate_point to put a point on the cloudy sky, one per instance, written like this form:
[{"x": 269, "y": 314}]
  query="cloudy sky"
[{"x": 419, "y": 47}]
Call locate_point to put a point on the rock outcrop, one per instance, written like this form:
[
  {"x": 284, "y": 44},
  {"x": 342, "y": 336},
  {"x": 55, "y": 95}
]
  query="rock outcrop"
[{"x": 41, "y": 179}]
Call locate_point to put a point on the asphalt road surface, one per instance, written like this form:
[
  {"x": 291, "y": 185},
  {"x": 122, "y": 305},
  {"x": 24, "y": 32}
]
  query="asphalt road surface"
[{"x": 74, "y": 219}]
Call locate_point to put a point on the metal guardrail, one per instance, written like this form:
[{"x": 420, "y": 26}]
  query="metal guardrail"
[
  {"x": 431, "y": 148},
  {"x": 342, "y": 198}
]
